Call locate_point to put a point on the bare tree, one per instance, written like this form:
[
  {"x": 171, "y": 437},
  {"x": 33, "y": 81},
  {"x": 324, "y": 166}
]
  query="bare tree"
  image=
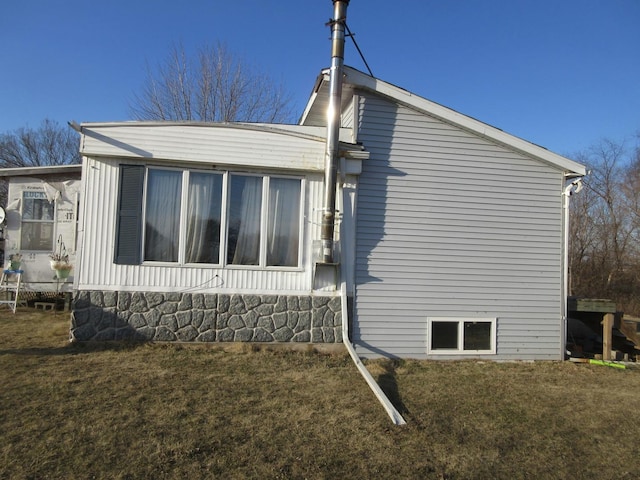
[
  {"x": 605, "y": 227},
  {"x": 214, "y": 86},
  {"x": 50, "y": 144}
]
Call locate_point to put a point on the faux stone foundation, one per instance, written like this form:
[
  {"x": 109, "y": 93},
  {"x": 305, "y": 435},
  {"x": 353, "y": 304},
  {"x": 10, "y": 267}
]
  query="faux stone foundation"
[{"x": 197, "y": 317}]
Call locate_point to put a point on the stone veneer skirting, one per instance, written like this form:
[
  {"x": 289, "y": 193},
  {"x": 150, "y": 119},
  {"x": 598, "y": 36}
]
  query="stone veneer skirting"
[{"x": 198, "y": 317}]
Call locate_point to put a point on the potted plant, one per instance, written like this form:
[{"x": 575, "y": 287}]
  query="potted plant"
[
  {"x": 61, "y": 268},
  {"x": 15, "y": 260},
  {"x": 60, "y": 265},
  {"x": 58, "y": 259}
]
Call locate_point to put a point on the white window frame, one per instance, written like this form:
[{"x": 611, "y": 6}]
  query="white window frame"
[
  {"x": 53, "y": 222},
  {"x": 186, "y": 178},
  {"x": 222, "y": 260},
  {"x": 460, "y": 348},
  {"x": 144, "y": 216}
]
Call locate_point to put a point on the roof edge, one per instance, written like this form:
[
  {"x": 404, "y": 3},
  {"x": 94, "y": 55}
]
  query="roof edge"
[
  {"x": 363, "y": 81},
  {"x": 306, "y": 132},
  {"x": 41, "y": 170}
]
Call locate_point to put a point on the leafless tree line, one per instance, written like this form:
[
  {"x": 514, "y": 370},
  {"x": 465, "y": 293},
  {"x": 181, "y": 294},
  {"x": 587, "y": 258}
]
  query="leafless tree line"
[
  {"x": 605, "y": 226},
  {"x": 49, "y": 144}
]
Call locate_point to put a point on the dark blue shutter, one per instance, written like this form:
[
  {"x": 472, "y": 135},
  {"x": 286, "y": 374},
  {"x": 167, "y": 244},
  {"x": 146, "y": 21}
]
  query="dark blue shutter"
[{"x": 129, "y": 229}]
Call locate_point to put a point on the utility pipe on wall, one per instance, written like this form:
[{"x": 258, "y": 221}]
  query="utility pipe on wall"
[
  {"x": 574, "y": 187},
  {"x": 333, "y": 127},
  {"x": 393, "y": 413}
]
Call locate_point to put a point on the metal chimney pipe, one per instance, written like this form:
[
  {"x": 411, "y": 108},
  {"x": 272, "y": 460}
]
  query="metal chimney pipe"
[{"x": 333, "y": 127}]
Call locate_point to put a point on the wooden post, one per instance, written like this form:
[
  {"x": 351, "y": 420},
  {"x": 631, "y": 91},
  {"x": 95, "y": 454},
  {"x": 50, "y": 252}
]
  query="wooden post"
[{"x": 607, "y": 325}]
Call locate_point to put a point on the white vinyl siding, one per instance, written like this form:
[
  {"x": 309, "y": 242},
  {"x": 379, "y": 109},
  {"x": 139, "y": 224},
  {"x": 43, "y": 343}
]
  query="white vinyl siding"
[
  {"x": 208, "y": 144},
  {"x": 450, "y": 224},
  {"x": 97, "y": 269}
]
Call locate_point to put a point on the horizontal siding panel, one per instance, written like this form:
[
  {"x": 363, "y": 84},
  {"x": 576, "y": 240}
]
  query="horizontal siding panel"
[
  {"x": 479, "y": 292},
  {"x": 465, "y": 187},
  {"x": 452, "y": 228},
  {"x": 417, "y": 244},
  {"x": 382, "y": 310}
]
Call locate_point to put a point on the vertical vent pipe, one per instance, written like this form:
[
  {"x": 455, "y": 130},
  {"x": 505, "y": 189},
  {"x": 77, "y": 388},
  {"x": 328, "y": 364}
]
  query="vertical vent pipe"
[{"x": 333, "y": 128}]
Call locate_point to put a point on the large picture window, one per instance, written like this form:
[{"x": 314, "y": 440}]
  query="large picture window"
[
  {"x": 461, "y": 335},
  {"x": 38, "y": 214},
  {"x": 217, "y": 218}
]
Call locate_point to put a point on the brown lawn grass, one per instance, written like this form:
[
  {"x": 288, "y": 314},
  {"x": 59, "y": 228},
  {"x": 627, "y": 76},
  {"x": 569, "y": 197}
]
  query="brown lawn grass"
[{"x": 172, "y": 411}]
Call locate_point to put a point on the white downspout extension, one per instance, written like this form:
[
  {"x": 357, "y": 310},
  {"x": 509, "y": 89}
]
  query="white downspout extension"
[
  {"x": 393, "y": 413},
  {"x": 574, "y": 187}
]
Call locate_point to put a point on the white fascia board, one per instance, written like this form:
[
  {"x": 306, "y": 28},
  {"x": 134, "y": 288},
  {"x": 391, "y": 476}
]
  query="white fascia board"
[
  {"x": 363, "y": 81},
  {"x": 302, "y": 131},
  {"x": 44, "y": 170},
  {"x": 312, "y": 97}
]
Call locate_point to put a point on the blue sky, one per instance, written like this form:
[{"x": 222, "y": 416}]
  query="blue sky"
[{"x": 559, "y": 73}]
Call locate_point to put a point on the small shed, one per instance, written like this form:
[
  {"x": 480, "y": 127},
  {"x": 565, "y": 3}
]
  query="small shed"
[{"x": 41, "y": 219}]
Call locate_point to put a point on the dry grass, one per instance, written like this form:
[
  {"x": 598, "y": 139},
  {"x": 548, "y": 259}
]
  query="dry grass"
[{"x": 171, "y": 411}]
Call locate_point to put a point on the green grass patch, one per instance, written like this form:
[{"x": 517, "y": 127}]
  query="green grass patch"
[{"x": 129, "y": 411}]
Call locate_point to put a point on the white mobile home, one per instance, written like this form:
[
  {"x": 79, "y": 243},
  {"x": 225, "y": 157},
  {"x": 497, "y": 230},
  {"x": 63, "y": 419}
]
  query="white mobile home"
[
  {"x": 449, "y": 233},
  {"x": 41, "y": 219}
]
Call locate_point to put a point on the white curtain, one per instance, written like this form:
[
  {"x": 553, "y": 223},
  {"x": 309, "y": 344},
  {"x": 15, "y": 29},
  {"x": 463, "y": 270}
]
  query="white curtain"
[
  {"x": 162, "y": 215},
  {"x": 283, "y": 226},
  {"x": 203, "y": 218},
  {"x": 245, "y": 204}
]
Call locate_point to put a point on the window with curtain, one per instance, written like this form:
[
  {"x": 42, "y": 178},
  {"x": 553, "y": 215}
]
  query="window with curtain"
[
  {"x": 38, "y": 214},
  {"x": 204, "y": 213},
  {"x": 162, "y": 215},
  {"x": 283, "y": 225},
  {"x": 184, "y": 213},
  {"x": 245, "y": 209}
]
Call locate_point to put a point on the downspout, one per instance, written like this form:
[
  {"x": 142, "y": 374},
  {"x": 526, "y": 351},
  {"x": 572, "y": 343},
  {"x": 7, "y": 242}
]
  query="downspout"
[
  {"x": 333, "y": 128},
  {"x": 574, "y": 187},
  {"x": 393, "y": 413}
]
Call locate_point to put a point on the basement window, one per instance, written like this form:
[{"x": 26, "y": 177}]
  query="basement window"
[{"x": 447, "y": 335}]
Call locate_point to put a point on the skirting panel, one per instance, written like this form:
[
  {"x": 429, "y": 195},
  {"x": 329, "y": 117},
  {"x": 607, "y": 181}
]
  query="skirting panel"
[{"x": 186, "y": 317}]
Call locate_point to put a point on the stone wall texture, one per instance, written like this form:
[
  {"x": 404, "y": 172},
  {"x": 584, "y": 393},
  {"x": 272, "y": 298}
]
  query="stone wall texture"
[{"x": 197, "y": 317}]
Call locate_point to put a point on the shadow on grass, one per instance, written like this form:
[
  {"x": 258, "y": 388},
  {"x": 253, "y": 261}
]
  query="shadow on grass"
[{"x": 389, "y": 384}]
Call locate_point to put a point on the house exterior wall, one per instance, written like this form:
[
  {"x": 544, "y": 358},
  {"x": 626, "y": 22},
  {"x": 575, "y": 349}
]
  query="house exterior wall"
[
  {"x": 452, "y": 225},
  {"x": 38, "y": 275},
  {"x": 208, "y": 303}
]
